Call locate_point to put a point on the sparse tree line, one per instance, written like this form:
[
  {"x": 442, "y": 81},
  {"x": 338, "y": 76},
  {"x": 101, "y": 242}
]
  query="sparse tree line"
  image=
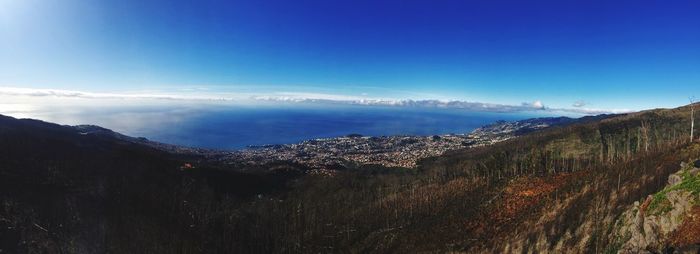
[{"x": 572, "y": 148}]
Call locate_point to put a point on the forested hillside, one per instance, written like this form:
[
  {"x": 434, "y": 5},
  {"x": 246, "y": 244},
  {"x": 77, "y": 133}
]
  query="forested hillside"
[{"x": 552, "y": 190}]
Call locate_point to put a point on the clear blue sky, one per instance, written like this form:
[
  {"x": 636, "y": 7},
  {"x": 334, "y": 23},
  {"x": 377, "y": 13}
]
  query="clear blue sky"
[{"x": 610, "y": 54}]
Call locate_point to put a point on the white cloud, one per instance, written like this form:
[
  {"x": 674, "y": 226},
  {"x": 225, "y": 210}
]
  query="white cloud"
[
  {"x": 591, "y": 111},
  {"x": 288, "y": 97},
  {"x": 31, "y": 92},
  {"x": 534, "y": 105},
  {"x": 579, "y": 104}
]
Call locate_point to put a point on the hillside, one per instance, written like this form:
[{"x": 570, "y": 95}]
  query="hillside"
[
  {"x": 667, "y": 221},
  {"x": 64, "y": 189}
]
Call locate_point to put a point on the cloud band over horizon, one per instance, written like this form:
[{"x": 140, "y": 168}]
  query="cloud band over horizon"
[{"x": 296, "y": 97}]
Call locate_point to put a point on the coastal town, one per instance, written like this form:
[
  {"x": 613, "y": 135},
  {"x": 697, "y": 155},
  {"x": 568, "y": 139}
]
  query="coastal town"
[
  {"x": 389, "y": 151},
  {"x": 354, "y": 150}
]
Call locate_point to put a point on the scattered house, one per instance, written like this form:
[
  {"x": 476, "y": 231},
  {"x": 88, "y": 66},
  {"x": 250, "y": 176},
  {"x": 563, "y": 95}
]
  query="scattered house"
[{"x": 186, "y": 166}]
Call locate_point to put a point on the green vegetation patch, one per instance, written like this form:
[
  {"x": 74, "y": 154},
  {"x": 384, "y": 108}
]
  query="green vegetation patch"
[{"x": 660, "y": 203}]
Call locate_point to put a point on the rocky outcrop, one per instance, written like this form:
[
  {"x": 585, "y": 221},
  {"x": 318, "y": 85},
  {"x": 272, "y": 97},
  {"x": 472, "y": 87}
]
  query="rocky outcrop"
[{"x": 666, "y": 222}]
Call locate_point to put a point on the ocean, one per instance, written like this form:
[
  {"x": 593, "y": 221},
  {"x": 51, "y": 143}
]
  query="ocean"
[{"x": 237, "y": 127}]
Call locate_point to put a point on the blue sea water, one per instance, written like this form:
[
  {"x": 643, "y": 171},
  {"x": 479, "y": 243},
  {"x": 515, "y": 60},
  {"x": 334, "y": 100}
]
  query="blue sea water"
[{"x": 236, "y": 128}]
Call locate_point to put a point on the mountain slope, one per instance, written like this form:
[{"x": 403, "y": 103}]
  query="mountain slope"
[{"x": 66, "y": 189}]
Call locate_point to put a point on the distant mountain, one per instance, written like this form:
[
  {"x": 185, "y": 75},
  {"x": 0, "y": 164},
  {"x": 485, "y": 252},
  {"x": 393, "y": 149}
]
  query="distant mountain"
[{"x": 522, "y": 127}]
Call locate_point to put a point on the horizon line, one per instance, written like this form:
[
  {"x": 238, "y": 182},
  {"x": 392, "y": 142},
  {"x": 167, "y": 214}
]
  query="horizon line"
[{"x": 302, "y": 97}]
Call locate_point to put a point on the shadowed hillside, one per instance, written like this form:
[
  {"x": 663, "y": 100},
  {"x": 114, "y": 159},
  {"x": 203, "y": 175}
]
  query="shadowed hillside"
[{"x": 63, "y": 191}]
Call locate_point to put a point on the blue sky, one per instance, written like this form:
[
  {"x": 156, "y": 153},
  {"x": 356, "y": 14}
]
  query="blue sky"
[{"x": 607, "y": 54}]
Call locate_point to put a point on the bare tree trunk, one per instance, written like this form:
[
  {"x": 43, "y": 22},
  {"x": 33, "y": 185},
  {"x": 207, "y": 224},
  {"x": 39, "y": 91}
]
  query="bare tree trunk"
[
  {"x": 645, "y": 131},
  {"x": 692, "y": 119},
  {"x": 639, "y": 140},
  {"x": 628, "y": 154}
]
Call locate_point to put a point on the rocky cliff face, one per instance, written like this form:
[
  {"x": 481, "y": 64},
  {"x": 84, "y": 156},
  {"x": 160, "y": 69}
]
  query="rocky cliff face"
[{"x": 665, "y": 222}]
